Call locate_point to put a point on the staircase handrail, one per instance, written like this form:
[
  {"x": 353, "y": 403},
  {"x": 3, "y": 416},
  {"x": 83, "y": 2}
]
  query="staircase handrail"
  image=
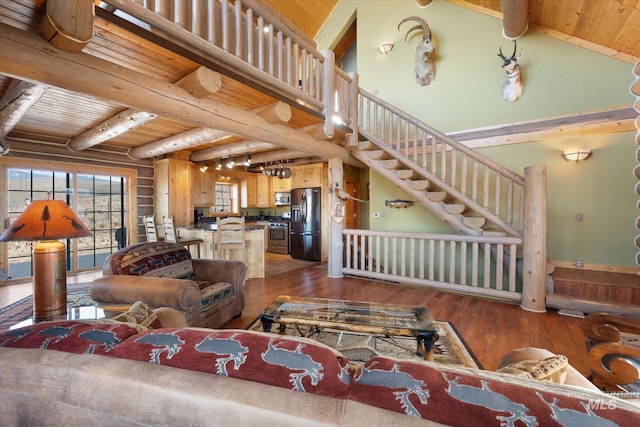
[
  {"x": 482, "y": 193},
  {"x": 450, "y": 141}
]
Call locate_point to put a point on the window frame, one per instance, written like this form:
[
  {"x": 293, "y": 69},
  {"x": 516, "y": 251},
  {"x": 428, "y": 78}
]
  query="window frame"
[{"x": 130, "y": 175}]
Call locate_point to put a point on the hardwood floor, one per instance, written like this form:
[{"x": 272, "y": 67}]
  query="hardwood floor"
[{"x": 490, "y": 328}]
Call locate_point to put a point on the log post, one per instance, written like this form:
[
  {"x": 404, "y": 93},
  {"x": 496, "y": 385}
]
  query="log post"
[
  {"x": 515, "y": 14},
  {"x": 535, "y": 239},
  {"x": 68, "y": 24},
  {"x": 336, "y": 219},
  {"x": 328, "y": 88}
]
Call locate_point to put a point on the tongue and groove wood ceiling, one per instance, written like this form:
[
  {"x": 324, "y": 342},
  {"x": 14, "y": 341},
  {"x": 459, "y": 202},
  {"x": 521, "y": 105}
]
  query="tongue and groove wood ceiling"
[{"x": 611, "y": 27}]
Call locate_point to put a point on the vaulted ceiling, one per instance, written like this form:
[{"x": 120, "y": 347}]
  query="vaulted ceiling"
[{"x": 69, "y": 111}]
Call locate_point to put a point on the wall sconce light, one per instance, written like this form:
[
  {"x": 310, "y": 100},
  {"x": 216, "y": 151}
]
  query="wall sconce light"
[
  {"x": 576, "y": 155},
  {"x": 385, "y": 48}
]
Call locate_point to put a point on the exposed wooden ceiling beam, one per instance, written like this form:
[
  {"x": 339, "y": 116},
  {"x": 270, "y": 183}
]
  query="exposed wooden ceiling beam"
[
  {"x": 122, "y": 122},
  {"x": 200, "y": 83},
  {"x": 598, "y": 122},
  {"x": 19, "y": 97},
  {"x": 277, "y": 112},
  {"x": 232, "y": 149},
  {"x": 26, "y": 56}
]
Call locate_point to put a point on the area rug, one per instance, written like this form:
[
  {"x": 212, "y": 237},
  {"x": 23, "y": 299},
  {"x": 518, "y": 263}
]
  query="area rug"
[
  {"x": 359, "y": 347},
  {"x": 77, "y": 296}
]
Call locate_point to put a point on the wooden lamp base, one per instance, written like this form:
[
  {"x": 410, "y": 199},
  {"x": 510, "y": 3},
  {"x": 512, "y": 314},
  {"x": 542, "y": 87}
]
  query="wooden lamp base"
[{"x": 49, "y": 280}]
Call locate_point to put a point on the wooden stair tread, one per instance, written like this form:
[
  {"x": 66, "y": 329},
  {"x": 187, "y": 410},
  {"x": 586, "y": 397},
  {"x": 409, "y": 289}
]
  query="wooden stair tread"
[
  {"x": 391, "y": 164},
  {"x": 437, "y": 196},
  {"x": 407, "y": 174},
  {"x": 420, "y": 184},
  {"x": 379, "y": 155},
  {"x": 474, "y": 221},
  {"x": 454, "y": 208},
  {"x": 366, "y": 145}
]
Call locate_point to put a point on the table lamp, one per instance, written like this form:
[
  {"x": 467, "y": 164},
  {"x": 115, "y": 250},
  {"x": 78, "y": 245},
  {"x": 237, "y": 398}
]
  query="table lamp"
[{"x": 47, "y": 221}]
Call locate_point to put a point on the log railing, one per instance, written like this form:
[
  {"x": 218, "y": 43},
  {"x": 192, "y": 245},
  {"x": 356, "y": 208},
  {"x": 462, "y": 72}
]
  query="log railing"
[
  {"x": 471, "y": 264},
  {"x": 485, "y": 186},
  {"x": 267, "y": 49}
]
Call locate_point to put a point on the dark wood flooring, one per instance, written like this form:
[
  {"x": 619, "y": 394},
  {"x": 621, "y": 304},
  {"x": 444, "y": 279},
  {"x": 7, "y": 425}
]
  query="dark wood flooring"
[{"x": 490, "y": 328}]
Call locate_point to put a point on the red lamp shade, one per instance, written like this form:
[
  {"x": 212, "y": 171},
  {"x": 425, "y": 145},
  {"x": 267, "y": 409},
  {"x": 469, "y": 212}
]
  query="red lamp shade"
[{"x": 46, "y": 220}]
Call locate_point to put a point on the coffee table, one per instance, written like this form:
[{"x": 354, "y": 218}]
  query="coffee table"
[{"x": 365, "y": 317}]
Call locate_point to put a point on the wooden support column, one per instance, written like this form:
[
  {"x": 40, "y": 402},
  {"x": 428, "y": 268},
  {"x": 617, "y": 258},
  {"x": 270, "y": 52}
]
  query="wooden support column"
[
  {"x": 354, "y": 88},
  {"x": 336, "y": 219},
  {"x": 535, "y": 239},
  {"x": 515, "y": 14},
  {"x": 329, "y": 90}
]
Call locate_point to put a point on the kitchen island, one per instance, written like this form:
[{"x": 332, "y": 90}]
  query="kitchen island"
[{"x": 253, "y": 236}]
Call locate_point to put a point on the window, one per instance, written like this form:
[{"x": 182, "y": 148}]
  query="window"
[
  {"x": 227, "y": 200},
  {"x": 99, "y": 201}
]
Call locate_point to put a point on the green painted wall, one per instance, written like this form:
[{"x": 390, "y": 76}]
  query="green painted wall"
[{"x": 560, "y": 79}]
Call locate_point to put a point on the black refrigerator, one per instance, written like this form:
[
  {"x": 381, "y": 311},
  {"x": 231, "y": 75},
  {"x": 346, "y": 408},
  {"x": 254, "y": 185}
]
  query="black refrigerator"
[{"x": 305, "y": 224}]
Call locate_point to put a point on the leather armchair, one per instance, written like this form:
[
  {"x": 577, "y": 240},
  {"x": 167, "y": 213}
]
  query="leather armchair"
[
  {"x": 161, "y": 274},
  {"x": 613, "y": 347}
]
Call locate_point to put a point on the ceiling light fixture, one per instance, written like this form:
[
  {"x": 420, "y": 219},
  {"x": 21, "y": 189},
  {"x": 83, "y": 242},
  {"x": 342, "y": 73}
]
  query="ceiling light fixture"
[
  {"x": 204, "y": 168},
  {"x": 247, "y": 160},
  {"x": 576, "y": 155},
  {"x": 385, "y": 48},
  {"x": 218, "y": 165},
  {"x": 230, "y": 164}
]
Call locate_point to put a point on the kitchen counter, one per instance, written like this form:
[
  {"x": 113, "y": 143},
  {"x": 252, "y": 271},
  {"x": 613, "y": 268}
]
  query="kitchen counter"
[
  {"x": 254, "y": 239},
  {"x": 213, "y": 227}
]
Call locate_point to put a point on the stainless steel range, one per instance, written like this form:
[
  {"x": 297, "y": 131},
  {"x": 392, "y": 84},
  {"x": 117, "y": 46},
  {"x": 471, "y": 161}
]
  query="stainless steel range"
[{"x": 278, "y": 237}]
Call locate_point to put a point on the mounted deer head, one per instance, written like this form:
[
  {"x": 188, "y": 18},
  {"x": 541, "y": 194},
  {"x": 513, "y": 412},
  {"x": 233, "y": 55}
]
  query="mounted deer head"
[
  {"x": 513, "y": 86},
  {"x": 425, "y": 67}
]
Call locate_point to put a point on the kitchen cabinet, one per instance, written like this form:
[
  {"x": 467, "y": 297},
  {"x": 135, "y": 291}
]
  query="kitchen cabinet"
[
  {"x": 173, "y": 190},
  {"x": 263, "y": 191},
  {"x": 265, "y": 227},
  {"x": 307, "y": 175},
  {"x": 204, "y": 187},
  {"x": 249, "y": 191},
  {"x": 280, "y": 185}
]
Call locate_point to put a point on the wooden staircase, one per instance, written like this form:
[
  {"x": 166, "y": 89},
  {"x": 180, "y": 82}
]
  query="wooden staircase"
[
  {"x": 444, "y": 205},
  {"x": 459, "y": 186}
]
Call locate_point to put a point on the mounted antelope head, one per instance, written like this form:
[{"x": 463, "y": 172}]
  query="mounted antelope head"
[
  {"x": 513, "y": 86},
  {"x": 425, "y": 67}
]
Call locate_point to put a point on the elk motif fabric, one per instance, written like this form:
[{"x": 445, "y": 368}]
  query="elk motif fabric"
[
  {"x": 293, "y": 363},
  {"x": 460, "y": 397}
]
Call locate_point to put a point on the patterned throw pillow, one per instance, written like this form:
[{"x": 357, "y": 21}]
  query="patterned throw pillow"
[
  {"x": 71, "y": 336},
  {"x": 168, "y": 260},
  {"x": 552, "y": 369},
  {"x": 288, "y": 362},
  {"x": 140, "y": 314},
  {"x": 458, "y": 396}
]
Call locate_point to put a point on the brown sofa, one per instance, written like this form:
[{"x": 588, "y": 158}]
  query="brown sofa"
[
  {"x": 161, "y": 274},
  {"x": 193, "y": 376}
]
